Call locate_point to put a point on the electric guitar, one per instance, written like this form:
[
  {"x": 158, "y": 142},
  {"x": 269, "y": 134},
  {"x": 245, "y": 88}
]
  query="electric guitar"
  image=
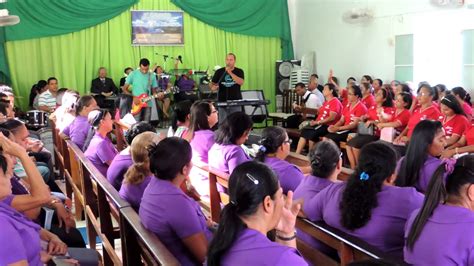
[{"x": 139, "y": 102}]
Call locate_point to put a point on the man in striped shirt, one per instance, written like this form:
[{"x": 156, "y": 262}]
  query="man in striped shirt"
[{"x": 47, "y": 99}]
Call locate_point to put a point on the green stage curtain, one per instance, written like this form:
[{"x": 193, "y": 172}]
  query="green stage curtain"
[
  {"x": 258, "y": 18},
  {"x": 42, "y": 18},
  {"x": 74, "y": 58}
]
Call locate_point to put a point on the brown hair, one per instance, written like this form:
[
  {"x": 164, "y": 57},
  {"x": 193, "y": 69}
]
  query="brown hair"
[{"x": 141, "y": 160}]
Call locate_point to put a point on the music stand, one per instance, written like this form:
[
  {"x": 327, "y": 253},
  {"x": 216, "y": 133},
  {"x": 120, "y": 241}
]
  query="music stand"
[{"x": 258, "y": 113}]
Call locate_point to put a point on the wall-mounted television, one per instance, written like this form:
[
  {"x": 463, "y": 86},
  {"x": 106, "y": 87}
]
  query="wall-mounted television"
[{"x": 152, "y": 27}]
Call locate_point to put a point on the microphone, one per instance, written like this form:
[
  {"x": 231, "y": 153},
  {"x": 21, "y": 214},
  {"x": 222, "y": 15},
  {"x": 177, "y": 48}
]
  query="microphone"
[{"x": 180, "y": 58}]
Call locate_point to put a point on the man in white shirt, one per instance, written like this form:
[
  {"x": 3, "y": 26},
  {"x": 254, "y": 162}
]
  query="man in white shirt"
[
  {"x": 47, "y": 99},
  {"x": 314, "y": 88},
  {"x": 307, "y": 110}
]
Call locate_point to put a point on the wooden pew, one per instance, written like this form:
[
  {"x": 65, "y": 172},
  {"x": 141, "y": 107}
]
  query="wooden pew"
[
  {"x": 350, "y": 248},
  {"x": 138, "y": 243},
  {"x": 73, "y": 176},
  {"x": 103, "y": 205}
]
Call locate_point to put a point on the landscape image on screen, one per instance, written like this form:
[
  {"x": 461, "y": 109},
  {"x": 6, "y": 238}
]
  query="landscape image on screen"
[{"x": 157, "y": 28}]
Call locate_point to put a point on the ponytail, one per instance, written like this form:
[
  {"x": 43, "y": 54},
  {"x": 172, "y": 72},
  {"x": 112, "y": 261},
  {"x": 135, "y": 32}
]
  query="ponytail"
[
  {"x": 272, "y": 139},
  {"x": 435, "y": 194},
  {"x": 136, "y": 173},
  {"x": 376, "y": 163},
  {"x": 229, "y": 227}
]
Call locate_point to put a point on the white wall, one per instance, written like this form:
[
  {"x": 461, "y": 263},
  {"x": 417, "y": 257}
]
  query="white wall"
[{"x": 355, "y": 50}]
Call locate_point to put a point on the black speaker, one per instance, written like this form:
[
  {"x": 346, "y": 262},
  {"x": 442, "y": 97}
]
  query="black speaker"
[{"x": 283, "y": 72}]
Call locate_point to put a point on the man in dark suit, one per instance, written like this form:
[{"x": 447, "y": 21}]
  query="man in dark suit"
[{"x": 103, "y": 87}]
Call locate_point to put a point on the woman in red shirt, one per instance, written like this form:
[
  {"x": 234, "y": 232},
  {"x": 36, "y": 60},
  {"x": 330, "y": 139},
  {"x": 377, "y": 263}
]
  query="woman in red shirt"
[
  {"x": 464, "y": 145},
  {"x": 351, "y": 115},
  {"x": 464, "y": 99},
  {"x": 402, "y": 113},
  {"x": 426, "y": 111},
  {"x": 367, "y": 98},
  {"x": 383, "y": 108},
  {"x": 328, "y": 114},
  {"x": 454, "y": 120}
]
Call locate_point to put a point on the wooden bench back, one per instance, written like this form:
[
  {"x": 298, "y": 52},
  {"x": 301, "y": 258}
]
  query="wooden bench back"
[
  {"x": 102, "y": 205},
  {"x": 289, "y": 97}
]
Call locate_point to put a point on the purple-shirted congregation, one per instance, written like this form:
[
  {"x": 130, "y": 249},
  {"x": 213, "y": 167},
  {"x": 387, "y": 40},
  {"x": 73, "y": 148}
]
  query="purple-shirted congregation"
[
  {"x": 447, "y": 238},
  {"x": 133, "y": 192},
  {"x": 426, "y": 172},
  {"x": 77, "y": 130},
  {"x": 226, "y": 157},
  {"x": 118, "y": 168},
  {"x": 309, "y": 187},
  {"x": 19, "y": 236},
  {"x": 100, "y": 151},
  {"x": 289, "y": 175},
  {"x": 253, "y": 248},
  {"x": 172, "y": 216},
  {"x": 201, "y": 144},
  {"x": 385, "y": 229}
]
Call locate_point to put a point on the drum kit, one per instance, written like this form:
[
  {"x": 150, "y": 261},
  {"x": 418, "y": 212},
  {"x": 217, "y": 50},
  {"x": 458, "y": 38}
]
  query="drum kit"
[{"x": 36, "y": 119}]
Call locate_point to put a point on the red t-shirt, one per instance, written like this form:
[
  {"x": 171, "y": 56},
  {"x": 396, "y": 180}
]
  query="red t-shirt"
[
  {"x": 456, "y": 125},
  {"x": 344, "y": 96},
  {"x": 334, "y": 105},
  {"x": 431, "y": 113},
  {"x": 351, "y": 113},
  {"x": 403, "y": 117},
  {"x": 372, "y": 115},
  {"x": 469, "y": 135},
  {"x": 467, "y": 109},
  {"x": 369, "y": 101}
]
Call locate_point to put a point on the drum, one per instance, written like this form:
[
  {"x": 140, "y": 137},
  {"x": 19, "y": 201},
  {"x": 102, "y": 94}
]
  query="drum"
[{"x": 36, "y": 119}]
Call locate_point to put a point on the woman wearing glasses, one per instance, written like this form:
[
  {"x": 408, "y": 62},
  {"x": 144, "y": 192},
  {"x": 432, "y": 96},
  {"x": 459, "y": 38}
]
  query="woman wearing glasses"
[{"x": 275, "y": 147}]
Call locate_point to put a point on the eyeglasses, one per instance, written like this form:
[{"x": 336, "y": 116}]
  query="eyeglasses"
[{"x": 289, "y": 141}]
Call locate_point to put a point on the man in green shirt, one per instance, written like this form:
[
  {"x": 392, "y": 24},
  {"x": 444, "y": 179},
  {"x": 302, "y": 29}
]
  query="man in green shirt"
[{"x": 143, "y": 82}]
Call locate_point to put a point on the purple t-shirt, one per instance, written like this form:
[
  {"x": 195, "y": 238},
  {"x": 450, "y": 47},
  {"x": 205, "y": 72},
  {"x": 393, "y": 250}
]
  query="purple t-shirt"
[
  {"x": 133, "y": 193},
  {"x": 226, "y": 157},
  {"x": 172, "y": 216},
  {"x": 385, "y": 228},
  {"x": 426, "y": 172},
  {"x": 253, "y": 248},
  {"x": 447, "y": 238},
  {"x": 19, "y": 237},
  {"x": 309, "y": 187},
  {"x": 77, "y": 130},
  {"x": 201, "y": 144},
  {"x": 100, "y": 151},
  {"x": 118, "y": 168},
  {"x": 289, "y": 175}
]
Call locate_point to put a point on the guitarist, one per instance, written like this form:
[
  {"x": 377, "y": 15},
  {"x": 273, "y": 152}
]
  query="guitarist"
[{"x": 143, "y": 82}]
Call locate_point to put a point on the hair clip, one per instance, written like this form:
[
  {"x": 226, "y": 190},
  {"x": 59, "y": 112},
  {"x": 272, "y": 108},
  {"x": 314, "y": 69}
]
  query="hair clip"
[
  {"x": 233, "y": 203},
  {"x": 444, "y": 98},
  {"x": 449, "y": 165},
  {"x": 262, "y": 148},
  {"x": 364, "y": 176},
  {"x": 253, "y": 179}
]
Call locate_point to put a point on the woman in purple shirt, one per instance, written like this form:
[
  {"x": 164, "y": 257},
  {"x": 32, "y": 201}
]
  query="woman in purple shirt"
[
  {"x": 138, "y": 175},
  {"x": 226, "y": 153},
  {"x": 123, "y": 160},
  {"x": 417, "y": 167},
  {"x": 78, "y": 129},
  {"x": 101, "y": 151},
  {"x": 257, "y": 206},
  {"x": 203, "y": 119},
  {"x": 167, "y": 211},
  {"x": 368, "y": 206},
  {"x": 326, "y": 164},
  {"x": 442, "y": 231},
  {"x": 275, "y": 148}
]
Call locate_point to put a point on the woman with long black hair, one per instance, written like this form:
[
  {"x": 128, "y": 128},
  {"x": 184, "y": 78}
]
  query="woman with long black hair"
[
  {"x": 464, "y": 100},
  {"x": 441, "y": 232},
  {"x": 420, "y": 161},
  {"x": 368, "y": 206},
  {"x": 257, "y": 206}
]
